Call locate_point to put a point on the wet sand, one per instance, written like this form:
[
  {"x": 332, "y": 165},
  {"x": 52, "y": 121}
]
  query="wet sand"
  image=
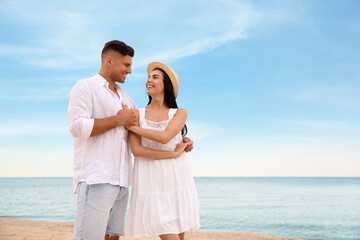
[{"x": 20, "y": 229}]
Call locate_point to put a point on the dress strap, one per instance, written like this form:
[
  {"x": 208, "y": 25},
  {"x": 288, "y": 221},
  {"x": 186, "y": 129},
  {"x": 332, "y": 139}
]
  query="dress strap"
[
  {"x": 141, "y": 115},
  {"x": 172, "y": 112}
]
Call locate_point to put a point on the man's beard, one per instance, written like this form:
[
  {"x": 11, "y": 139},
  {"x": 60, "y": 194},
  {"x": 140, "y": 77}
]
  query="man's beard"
[{"x": 117, "y": 78}]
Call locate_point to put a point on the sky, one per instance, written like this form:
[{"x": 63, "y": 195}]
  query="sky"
[{"x": 271, "y": 86}]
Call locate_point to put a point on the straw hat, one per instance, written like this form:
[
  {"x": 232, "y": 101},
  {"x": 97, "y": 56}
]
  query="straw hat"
[{"x": 170, "y": 72}]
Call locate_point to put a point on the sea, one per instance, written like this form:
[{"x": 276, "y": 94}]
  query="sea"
[{"x": 294, "y": 207}]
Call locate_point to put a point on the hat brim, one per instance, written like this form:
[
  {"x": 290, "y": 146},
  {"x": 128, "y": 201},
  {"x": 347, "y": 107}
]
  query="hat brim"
[{"x": 169, "y": 71}]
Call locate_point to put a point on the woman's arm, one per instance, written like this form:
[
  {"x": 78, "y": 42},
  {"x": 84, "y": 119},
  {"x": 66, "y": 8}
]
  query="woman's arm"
[
  {"x": 140, "y": 151},
  {"x": 174, "y": 127}
]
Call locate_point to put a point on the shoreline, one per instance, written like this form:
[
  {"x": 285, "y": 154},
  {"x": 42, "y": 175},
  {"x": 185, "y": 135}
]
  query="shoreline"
[{"x": 21, "y": 229}]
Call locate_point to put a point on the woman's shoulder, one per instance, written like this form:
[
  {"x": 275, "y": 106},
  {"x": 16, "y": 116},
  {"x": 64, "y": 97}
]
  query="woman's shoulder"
[{"x": 181, "y": 111}]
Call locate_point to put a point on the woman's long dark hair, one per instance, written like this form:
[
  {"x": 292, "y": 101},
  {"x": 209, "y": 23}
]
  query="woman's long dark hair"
[{"x": 169, "y": 96}]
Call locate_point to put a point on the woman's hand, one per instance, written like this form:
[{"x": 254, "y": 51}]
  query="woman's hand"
[{"x": 180, "y": 148}]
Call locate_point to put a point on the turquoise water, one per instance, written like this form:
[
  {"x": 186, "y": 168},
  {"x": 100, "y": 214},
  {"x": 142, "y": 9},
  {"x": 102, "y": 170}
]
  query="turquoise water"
[{"x": 311, "y": 208}]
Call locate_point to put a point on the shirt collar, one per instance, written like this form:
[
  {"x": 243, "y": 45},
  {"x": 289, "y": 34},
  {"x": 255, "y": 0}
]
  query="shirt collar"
[{"x": 102, "y": 81}]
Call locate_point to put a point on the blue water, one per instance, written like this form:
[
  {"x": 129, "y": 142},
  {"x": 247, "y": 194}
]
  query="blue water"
[{"x": 309, "y": 208}]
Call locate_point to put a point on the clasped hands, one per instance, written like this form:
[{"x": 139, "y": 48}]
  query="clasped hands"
[{"x": 126, "y": 117}]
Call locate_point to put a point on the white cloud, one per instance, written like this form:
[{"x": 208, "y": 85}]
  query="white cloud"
[
  {"x": 37, "y": 125},
  {"x": 57, "y": 35},
  {"x": 216, "y": 24},
  {"x": 71, "y": 35},
  {"x": 336, "y": 95},
  {"x": 38, "y": 87},
  {"x": 199, "y": 131},
  {"x": 323, "y": 125},
  {"x": 37, "y": 94},
  {"x": 32, "y": 129}
]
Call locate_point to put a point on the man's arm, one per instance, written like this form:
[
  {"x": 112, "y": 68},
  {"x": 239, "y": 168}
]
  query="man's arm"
[
  {"x": 124, "y": 118},
  {"x": 80, "y": 112}
]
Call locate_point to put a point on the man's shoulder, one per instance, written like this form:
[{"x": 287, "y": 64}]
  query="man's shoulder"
[
  {"x": 89, "y": 80},
  {"x": 85, "y": 82}
]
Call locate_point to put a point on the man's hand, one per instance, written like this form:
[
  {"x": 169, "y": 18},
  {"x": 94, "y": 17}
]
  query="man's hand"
[
  {"x": 180, "y": 148},
  {"x": 190, "y": 144},
  {"x": 126, "y": 118}
]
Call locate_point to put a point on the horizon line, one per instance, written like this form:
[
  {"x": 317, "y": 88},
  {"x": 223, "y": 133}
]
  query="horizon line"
[{"x": 213, "y": 177}]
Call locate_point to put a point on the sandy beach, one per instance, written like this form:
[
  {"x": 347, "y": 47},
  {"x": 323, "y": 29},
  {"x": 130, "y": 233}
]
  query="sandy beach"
[{"x": 20, "y": 229}]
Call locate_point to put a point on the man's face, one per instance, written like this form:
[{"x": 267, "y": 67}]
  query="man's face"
[{"x": 120, "y": 67}]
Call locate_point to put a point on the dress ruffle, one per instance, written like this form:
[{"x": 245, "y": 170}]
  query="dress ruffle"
[{"x": 156, "y": 214}]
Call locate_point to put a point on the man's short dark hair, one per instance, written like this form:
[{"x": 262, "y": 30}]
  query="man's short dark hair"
[{"x": 117, "y": 46}]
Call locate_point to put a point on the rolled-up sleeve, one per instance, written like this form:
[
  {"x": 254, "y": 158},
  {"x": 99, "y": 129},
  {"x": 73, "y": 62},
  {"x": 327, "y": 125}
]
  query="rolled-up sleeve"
[{"x": 80, "y": 111}]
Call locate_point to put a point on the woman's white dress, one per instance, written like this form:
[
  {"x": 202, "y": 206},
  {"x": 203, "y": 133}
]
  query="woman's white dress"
[{"x": 164, "y": 198}]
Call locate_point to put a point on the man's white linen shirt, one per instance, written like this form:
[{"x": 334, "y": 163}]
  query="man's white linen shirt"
[{"x": 104, "y": 158}]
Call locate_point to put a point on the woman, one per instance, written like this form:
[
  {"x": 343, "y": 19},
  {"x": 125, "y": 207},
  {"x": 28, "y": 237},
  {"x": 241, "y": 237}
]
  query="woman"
[{"x": 164, "y": 199}]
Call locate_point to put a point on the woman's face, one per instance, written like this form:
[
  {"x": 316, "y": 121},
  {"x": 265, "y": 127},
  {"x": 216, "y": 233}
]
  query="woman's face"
[{"x": 155, "y": 83}]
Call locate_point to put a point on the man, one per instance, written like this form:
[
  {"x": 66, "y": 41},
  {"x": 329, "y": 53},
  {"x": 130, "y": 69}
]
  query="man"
[{"x": 102, "y": 158}]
